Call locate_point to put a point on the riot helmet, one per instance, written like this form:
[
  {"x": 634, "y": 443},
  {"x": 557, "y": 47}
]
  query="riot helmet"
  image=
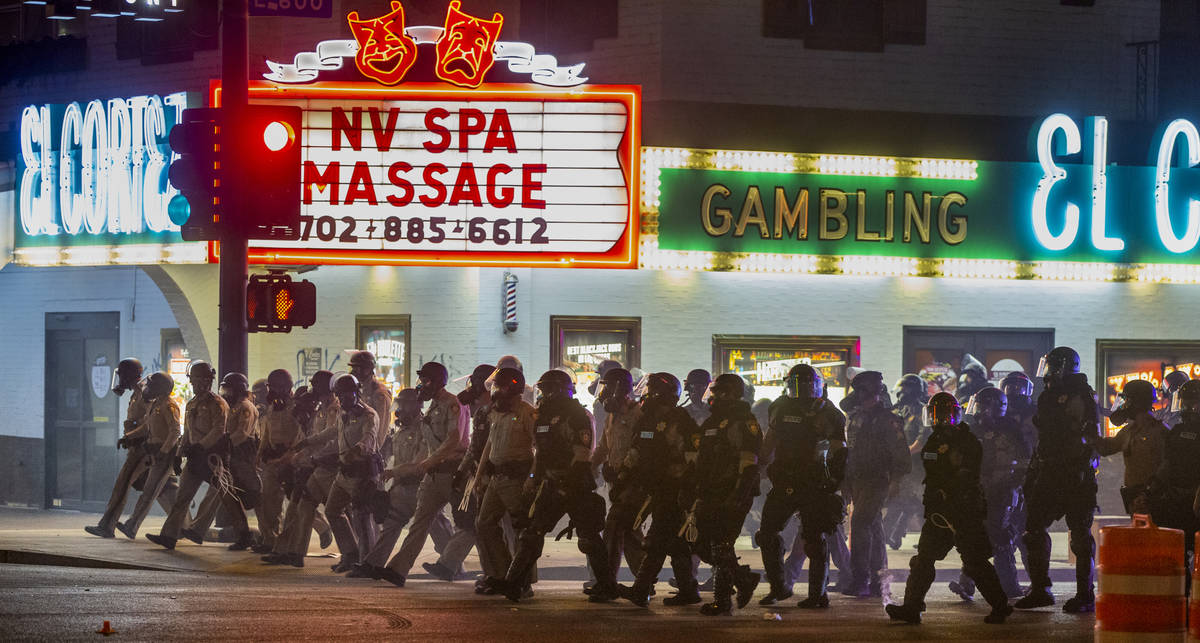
[
  {"x": 615, "y": 388},
  {"x": 804, "y": 383},
  {"x": 989, "y": 403},
  {"x": 602, "y": 369},
  {"x": 728, "y": 387},
  {"x": 509, "y": 387},
  {"x": 476, "y": 383},
  {"x": 320, "y": 382},
  {"x": 1017, "y": 384},
  {"x": 696, "y": 383},
  {"x": 555, "y": 383},
  {"x": 1172, "y": 381},
  {"x": 910, "y": 388},
  {"x": 345, "y": 388},
  {"x": 408, "y": 406},
  {"x": 663, "y": 388},
  {"x": 201, "y": 375},
  {"x": 431, "y": 378},
  {"x": 866, "y": 390},
  {"x": 942, "y": 410},
  {"x": 972, "y": 379},
  {"x": 1138, "y": 396},
  {"x": 1058, "y": 364},
  {"x": 362, "y": 365},
  {"x": 158, "y": 385},
  {"x": 126, "y": 375},
  {"x": 1187, "y": 398},
  {"x": 234, "y": 387},
  {"x": 279, "y": 388}
]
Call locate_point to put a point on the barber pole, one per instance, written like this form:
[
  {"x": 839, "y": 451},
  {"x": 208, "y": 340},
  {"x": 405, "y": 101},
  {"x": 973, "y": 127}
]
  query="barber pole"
[{"x": 510, "y": 302}]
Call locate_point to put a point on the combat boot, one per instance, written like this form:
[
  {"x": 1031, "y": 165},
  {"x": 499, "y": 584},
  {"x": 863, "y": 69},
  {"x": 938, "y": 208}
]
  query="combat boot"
[
  {"x": 96, "y": 530},
  {"x": 439, "y": 571},
  {"x": 998, "y": 614},
  {"x": 817, "y": 580},
  {"x": 129, "y": 533},
  {"x": 721, "y": 605},
  {"x": 963, "y": 590},
  {"x": 1080, "y": 604},
  {"x": 192, "y": 535},
  {"x": 162, "y": 541},
  {"x": 363, "y": 570},
  {"x": 907, "y": 613},
  {"x": 1037, "y": 597},
  {"x": 634, "y": 595},
  {"x": 685, "y": 596},
  {"x": 242, "y": 543},
  {"x": 746, "y": 582},
  {"x": 346, "y": 564}
]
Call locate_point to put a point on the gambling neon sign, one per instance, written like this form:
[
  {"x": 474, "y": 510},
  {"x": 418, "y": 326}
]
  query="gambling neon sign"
[{"x": 98, "y": 168}]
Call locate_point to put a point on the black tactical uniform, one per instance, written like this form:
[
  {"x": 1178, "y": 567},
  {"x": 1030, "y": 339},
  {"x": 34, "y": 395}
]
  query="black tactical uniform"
[
  {"x": 563, "y": 483},
  {"x": 808, "y": 437},
  {"x": 1062, "y": 480},
  {"x": 910, "y": 404},
  {"x": 954, "y": 514},
  {"x": 662, "y": 460},
  {"x": 1174, "y": 488},
  {"x": 727, "y": 482}
]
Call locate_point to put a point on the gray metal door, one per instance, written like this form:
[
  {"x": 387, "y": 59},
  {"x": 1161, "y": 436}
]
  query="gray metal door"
[{"x": 82, "y": 413}]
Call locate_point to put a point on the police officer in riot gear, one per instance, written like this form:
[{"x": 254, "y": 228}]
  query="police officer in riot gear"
[
  {"x": 806, "y": 438},
  {"x": 562, "y": 483},
  {"x": 973, "y": 378},
  {"x": 727, "y": 477},
  {"x": 280, "y": 431},
  {"x": 1141, "y": 440},
  {"x": 1170, "y": 385},
  {"x": 954, "y": 514},
  {"x": 358, "y": 469},
  {"x": 241, "y": 431},
  {"x": 877, "y": 461},
  {"x": 508, "y": 460},
  {"x": 1003, "y": 447},
  {"x": 628, "y": 500},
  {"x": 204, "y": 422},
  {"x": 1062, "y": 479},
  {"x": 1175, "y": 487},
  {"x": 662, "y": 461},
  {"x": 1018, "y": 390},
  {"x": 694, "y": 386},
  {"x": 127, "y": 377},
  {"x": 599, "y": 414},
  {"x": 478, "y": 401},
  {"x": 162, "y": 438},
  {"x": 911, "y": 397}
]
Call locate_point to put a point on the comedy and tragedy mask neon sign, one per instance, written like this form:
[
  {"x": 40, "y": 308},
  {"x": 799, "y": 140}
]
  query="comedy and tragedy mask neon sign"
[{"x": 466, "y": 46}]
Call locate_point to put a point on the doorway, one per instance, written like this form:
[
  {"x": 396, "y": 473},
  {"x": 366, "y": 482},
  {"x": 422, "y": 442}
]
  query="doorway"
[
  {"x": 82, "y": 412},
  {"x": 938, "y": 354}
]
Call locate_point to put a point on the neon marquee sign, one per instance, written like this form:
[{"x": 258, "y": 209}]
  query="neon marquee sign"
[
  {"x": 466, "y": 48},
  {"x": 98, "y": 168}
]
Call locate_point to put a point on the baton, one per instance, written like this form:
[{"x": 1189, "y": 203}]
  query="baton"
[
  {"x": 637, "y": 522},
  {"x": 465, "y": 503},
  {"x": 536, "y": 497},
  {"x": 689, "y": 525}
]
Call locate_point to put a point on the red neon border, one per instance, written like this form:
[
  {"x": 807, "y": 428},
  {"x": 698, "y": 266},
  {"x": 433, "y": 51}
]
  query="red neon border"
[{"x": 623, "y": 255}]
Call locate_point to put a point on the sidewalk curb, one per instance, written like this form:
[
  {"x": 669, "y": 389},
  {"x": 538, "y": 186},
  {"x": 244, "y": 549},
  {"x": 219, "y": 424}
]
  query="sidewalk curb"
[{"x": 27, "y": 557}]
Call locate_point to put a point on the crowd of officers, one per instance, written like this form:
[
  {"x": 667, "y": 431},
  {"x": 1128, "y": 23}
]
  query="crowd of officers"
[{"x": 509, "y": 461}]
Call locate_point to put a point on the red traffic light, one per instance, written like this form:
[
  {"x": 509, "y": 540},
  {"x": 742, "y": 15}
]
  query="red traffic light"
[{"x": 269, "y": 191}]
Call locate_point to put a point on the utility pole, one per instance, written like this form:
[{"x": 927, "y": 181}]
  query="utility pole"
[{"x": 232, "y": 339}]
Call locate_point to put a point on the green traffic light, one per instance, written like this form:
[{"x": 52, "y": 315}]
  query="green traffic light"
[{"x": 179, "y": 210}]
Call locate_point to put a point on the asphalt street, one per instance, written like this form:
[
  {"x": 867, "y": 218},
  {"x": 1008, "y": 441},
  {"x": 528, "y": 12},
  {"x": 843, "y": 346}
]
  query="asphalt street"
[{"x": 207, "y": 593}]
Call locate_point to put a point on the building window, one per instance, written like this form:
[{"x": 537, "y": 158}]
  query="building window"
[
  {"x": 389, "y": 337},
  {"x": 581, "y": 343},
  {"x": 940, "y": 354},
  {"x": 1118, "y": 361},
  {"x": 847, "y": 25},
  {"x": 764, "y": 360}
]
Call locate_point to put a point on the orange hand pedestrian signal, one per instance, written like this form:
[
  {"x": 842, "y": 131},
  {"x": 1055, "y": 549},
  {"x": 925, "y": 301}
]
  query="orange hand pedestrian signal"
[
  {"x": 284, "y": 303},
  {"x": 276, "y": 304}
]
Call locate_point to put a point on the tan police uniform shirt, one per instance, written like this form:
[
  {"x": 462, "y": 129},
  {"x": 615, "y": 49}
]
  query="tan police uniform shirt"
[{"x": 204, "y": 419}]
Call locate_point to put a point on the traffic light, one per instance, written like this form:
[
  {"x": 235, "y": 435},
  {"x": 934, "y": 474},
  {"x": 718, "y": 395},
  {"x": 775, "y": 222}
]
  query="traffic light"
[
  {"x": 268, "y": 206},
  {"x": 276, "y": 304},
  {"x": 196, "y": 174}
]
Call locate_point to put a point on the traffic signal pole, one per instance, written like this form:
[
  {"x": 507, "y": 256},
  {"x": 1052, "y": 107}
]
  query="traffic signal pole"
[{"x": 232, "y": 339}]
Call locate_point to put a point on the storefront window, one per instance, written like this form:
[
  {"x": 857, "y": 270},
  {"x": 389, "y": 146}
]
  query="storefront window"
[
  {"x": 175, "y": 359},
  {"x": 581, "y": 343},
  {"x": 389, "y": 338},
  {"x": 764, "y": 360},
  {"x": 1119, "y": 361},
  {"x": 940, "y": 355}
]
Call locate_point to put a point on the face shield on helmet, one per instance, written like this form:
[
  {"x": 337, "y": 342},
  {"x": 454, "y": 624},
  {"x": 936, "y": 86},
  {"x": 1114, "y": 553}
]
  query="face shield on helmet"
[
  {"x": 126, "y": 375},
  {"x": 615, "y": 388},
  {"x": 158, "y": 385},
  {"x": 989, "y": 403},
  {"x": 1017, "y": 385},
  {"x": 1187, "y": 398},
  {"x": 804, "y": 383},
  {"x": 509, "y": 386},
  {"x": 234, "y": 387},
  {"x": 942, "y": 410}
]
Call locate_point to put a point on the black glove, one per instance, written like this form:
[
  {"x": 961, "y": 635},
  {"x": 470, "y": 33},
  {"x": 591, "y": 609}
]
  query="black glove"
[{"x": 121, "y": 443}]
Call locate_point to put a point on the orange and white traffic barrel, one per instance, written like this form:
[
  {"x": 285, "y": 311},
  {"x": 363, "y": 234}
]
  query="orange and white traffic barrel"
[{"x": 1141, "y": 584}]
